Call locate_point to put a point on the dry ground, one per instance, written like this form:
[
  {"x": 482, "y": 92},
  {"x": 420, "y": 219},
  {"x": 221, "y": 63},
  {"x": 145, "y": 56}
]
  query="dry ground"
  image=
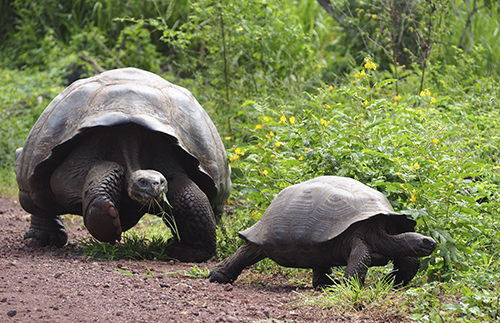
[{"x": 61, "y": 285}]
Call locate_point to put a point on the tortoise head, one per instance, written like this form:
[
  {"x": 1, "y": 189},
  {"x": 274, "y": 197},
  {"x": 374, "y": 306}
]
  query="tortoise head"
[
  {"x": 146, "y": 185},
  {"x": 414, "y": 244}
]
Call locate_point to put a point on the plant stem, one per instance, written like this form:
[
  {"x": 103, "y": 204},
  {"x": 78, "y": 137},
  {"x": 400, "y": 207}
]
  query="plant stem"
[{"x": 223, "y": 34}]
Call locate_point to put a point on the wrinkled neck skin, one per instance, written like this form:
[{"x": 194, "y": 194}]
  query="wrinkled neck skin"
[
  {"x": 130, "y": 148},
  {"x": 391, "y": 245}
]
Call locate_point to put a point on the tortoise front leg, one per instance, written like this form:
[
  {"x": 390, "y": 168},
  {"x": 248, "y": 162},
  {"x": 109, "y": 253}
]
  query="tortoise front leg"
[
  {"x": 230, "y": 268},
  {"x": 193, "y": 222},
  {"x": 101, "y": 199},
  {"x": 358, "y": 262},
  {"x": 405, "y": 268}
]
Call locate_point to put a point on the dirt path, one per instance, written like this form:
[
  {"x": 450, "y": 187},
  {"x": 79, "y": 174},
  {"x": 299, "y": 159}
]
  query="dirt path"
[{"x": 59, "y": 285}]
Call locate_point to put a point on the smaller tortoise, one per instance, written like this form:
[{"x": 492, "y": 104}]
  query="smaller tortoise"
[{"x": 330, "y": 221}]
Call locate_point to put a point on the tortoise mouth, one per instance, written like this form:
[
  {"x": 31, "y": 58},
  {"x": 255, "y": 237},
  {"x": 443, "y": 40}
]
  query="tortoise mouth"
[{"x": 145, "y": 186}]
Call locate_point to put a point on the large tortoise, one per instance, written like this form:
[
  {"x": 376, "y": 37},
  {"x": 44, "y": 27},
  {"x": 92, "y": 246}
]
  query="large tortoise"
[
  {"x": 330, "y": 221},
  {"x": 111, "y": 145}
]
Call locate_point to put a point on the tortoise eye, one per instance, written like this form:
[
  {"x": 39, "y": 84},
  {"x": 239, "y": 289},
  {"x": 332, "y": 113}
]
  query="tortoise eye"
[{"x": 142, "y": 182}]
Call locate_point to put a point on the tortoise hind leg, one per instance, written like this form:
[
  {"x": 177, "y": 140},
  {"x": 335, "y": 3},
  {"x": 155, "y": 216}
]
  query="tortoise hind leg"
[
  {"x": 193, "y": 223},
  {"x": 324, "y": 277},
  {"x": 230, "y": 268},
  {"x": 46, "y": 229}
]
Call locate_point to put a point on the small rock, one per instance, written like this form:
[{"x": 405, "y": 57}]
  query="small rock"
[
  {"x": 119, "y": 313},
  {"x": 57, "y": 275},
  {"x": 266, "y": 313},
  {"x": 228, "y": 287},
  {"x": 3, "y": 300},
  {"x": 12, "y": 313},
  {"x": 106, "y": 285},
  {"x": 164, "y": 285}
]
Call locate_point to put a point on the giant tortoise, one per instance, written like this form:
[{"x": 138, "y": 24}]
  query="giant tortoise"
[
  {"x": 330, "y": 221},
  {"x": 110, "y": 148}
]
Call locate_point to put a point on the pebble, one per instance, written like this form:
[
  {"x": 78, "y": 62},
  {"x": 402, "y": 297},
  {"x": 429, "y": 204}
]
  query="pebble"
[{"x": 12, "y": 313}]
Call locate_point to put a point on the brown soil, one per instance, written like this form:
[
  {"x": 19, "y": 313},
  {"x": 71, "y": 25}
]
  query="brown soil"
[{"x": 60, "y": 285}]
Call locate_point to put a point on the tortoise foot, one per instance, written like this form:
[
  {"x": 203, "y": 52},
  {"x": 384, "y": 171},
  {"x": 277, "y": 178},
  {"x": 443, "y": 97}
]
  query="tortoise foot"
[
  {"x": 46, "y": 232},
  {"x": 324, "y": 278},
  {"x": 186, "y": 253},
  {"x": 103, "y": 221},
  {"x": 217, "y": 276}
]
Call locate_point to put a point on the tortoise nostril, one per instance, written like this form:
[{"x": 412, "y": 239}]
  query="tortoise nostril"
[{"x": 430, "y": 242}]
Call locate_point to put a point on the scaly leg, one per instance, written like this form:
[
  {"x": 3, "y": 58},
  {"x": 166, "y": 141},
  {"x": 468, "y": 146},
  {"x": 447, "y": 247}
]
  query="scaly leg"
[
  {"x": 230, "y": 268},
  {"x": 193, "y": 222},
  {"x": 405, "y": 269},
  {"x": 101, "y": 199},
  {"x": 358, "y": 262}
]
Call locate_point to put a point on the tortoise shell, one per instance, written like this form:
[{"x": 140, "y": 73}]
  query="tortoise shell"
[
  {"x": 319, "y": 210},
  {"x": 123, "y": 96}
]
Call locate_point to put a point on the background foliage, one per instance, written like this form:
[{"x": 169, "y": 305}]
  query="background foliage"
[{"x": 399, "y": 94}]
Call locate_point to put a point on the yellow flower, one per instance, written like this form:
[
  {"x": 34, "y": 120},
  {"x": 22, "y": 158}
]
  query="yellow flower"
[
  {"x": 283, "y": 119},
  {"x": 301, "y": 157},
  {"x": 395, "y": 103},
  {"x": 292, "y": 119},
  {"x": 236, "y": 156},
  {"x": 374, "y": 16},
  {"x": 357, "y": 124},
  {"x": 422, "y": 93},
  {"x": 413, "y": 198},
  {"x": 327, "y": 106},
  {"x": 356, "y": 75},
  {"x": 427, "y": 92},
  {"x": 307, "y": 149},
  {"x": 272, "y": 156},
  {"x": 231, "y": 159},
  {"x": 277, "y": 144},
  {"x": 237, "y": 150},
  {"x": 271, "y": 133},
  {"x": 324, "y": 122},
  {"x": 227, "y": 138},
  {"x": 363, "y": 73},
  {"x": 451, "y": 185},
  {"x": 417, "y": 166},
  {"x": 401, "y": 185},
  {"x": 239, "y": 29},
  {"x": 331, "y": 87},
  {"x": 362, "y": 115},
  {"x": 433, "y": 100},
  {"x": 435, "y": 141},
  {"x": 258, "y": 127},
  {"x": 266, "y": 119},
  {"x": 265, "y": 172},
  {"x": 259, "y": 144},
  {"x": 366, "y": 102}
]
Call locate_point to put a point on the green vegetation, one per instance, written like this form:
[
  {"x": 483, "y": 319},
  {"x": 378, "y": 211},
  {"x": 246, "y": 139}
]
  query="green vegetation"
[{"x": 401, "y": 95}]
